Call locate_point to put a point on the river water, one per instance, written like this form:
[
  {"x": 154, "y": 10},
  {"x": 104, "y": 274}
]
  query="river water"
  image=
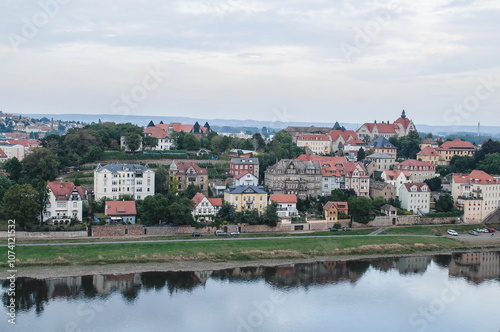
[{"x": 459, "y": 292}]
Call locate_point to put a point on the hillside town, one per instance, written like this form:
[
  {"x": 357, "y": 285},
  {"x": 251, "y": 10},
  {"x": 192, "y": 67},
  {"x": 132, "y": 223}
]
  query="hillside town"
[{"x": 190, "y": 177}]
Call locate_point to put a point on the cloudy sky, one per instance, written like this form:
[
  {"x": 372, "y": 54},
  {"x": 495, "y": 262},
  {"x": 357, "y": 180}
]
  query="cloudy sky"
[{"x": 283, "y": 60}]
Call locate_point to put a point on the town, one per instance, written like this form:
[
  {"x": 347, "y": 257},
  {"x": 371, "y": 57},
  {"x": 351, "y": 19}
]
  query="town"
[{"x": 114, "y": 179}]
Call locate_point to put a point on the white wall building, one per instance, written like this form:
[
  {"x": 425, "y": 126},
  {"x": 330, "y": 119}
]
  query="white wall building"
[
  {"x": 65, "y": 203},
  {"x": 415, "y": 197},
  {"x": 246, "y": 179},
  {"x": 286, "y": 206},
  {"x": 114, "y": 180}
]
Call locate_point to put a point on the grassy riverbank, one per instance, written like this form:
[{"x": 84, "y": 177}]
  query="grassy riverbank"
[{"x": 227, "y": 250}]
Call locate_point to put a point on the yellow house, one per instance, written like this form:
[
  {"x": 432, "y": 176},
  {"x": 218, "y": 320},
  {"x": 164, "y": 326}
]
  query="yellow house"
[
  {"x": 428, "y": 154},
  {"x": 246, "y": 198},
  {"x": 457, "y": 147}
]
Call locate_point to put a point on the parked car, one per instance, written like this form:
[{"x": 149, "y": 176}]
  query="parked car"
[
  {"x": 491, "y": 230},
  {"x": 452, "y": 232},
  {"x": 473, "y": 233},
  {"x": 235, "y": 233},
  {"x": 498, "y": 229},
  {"x": 346, "y": 229},
  {"x": 481, "y": 230},
  {"x": 195, "y": 234},
  {"x": 220, "y": 232},
  {"x": 333, "y": 229}
]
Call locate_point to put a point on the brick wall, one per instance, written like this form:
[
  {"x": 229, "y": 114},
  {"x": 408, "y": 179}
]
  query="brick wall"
[
  {"x": 160, "y": 230},
  {"x": 47, "y": 235},
  {"x": 117, "y": 230}
]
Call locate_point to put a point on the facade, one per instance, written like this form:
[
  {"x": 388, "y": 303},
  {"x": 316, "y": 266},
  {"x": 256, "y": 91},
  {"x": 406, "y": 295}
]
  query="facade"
[
  {"x": 246, "y": 179},
  {"x": 246, "y": 198},
  {"x": 173, "y": 127},
  {"x": 384, "y": 161},
  {"x": 419, "y": 170},
  {"x": 286, "y": 206},
  {"x": 294, "y": 177},
  {"x": 429, "y": 142},
  {"x": 161, "y": 134},
  {"x": 382, "y": 145},
  {"x": 13, "y": 150},
  {"x": 341, "y": 138},
  {"x": 184, "y": 173},
  {"x": 205, "y": 209},
  {"x": 317, "y": 143},
  {"x": 401, "y": 127},
  {"x": 239, "y": 166},
  {"x": 383, "y": 189},
  {"x": 114, "y": 180},
  {"x": 429, "y": 155},
  {"x": 356, "y": 178},
  {"x": 65, "y": 202},
  {"x": 120, "y": 211},
  {"x": 457, "y": 147},
  {"x": 415, "y": 197},
  {"x": 397, "y": 178},
  {"x": 333, "y": 210},
  {"x": 477, "y": 193}
]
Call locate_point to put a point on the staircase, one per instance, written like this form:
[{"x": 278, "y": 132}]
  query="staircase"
[{"x": 493, "y": 217}]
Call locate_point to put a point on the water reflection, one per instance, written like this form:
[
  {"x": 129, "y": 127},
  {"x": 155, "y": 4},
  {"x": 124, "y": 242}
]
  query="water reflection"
[{"x": 34, "y": 294}]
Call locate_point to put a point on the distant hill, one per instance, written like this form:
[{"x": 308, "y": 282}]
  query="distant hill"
[{"x": 143, "y": 120}]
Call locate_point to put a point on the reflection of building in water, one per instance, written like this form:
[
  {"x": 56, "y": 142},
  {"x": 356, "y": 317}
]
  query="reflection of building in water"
[
  {"x": 203, "y": 276},
  {"x": 105, "y": 284},
  {"x": 416, "y": 264},
  {"x": 476, "y": 266},
  {"x": 63, "y": 287}
]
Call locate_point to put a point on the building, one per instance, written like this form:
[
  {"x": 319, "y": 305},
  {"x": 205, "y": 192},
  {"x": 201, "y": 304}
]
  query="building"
[
  {"x": 341, "y": 138},
  {"x": 3, "y": 156},
  {"x": 382, "y": 189},
  {"x": 429, "y": 155},
  {"x": 65, "y": 202},
  {"x": 335, "y": 210},
  {"x": 173, "y": 127},
  {"x": 294, "y": 177},
  {"x": 114, "y": 180},
  {"x": 13, "y": 150},
  {"x": 415, "y": 197},
  {"x": 477, "y": 194},
  {"x": 239, "y": 166},
  {"x": 294, "y": 131},
  {"x": 246, "y": 198},
  {"x": 401, "y": 127},
  {"x": 205, "y": 209},
  {"x": 382, "y": 145},
  {"x": 419, "y": 170},
  {"x": 120, "y": 211},
  {"x": 286, "y": 206},
  {"x": 164, "y": 140},
  {"x": 397, "y": 178},
  {"x": 457, "y": 147},
  {"x": 429, "y": 142},
  {"x": 246, "y": 179},
  {"x": 316, "y": 143},
  {"x": 356, "y": 178},
  {"x": 384, "y": 161},
  {"x": 184, "y": 173}
]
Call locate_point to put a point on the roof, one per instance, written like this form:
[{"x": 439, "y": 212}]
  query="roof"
[
  {"x": 414, "y": 163},
  {"x": 475, "y": 177},
  {"x": 156, "y": 132},
  {"x": 245, "y": 161},
  {"x": 404, "y": 122},
  {"x": 283, "y": 198},
  {"x": 379, "y": 184},
  {"x": 419, "y": 186},
  {"x": 120, "y": 208},
  {"x": 183, "y": 167},
  {"x": 388, "y": 207},
  {"x": 198, "y": 198},
  {"x": 457, "y": 144},
  {"x": 62, "y": 190},
  {"x": 138, "y": 169},
  {"x": 2, "y": 154},
  {"x": 314, "y": 137},
  {"x": 355, "y": 141},
  {"x": 246, "y": 190},
  {"x": 380, "y": 143},
  {"x": 350, "y": 166},
  {"x": 346, "y": 135},
  {"x": 391, "y": 175},
  {"x": 338, "y": 205},
  {"x": 381, "y": 156},
  {"x": 427, "y": 151},
  {"x": 429, "y": 141},
  {"x": 239, "y": 176},
  {"x": 215, "y": 201}
]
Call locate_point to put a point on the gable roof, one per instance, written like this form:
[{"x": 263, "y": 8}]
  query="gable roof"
[
  {"x": 183, "y": 167},
  {"x": 215, "y": 201},
  {"x": 62, "y": 190},
  {"x": 156, "y": 132},
  {"x": 246, "y": 190},
  {"x": 314, "y": 137},
  {"x": 418, "y": 186},
  {"x": 346, "y": 135},
  {"x": 283, "y": 198},
  {"x": 414, "y": 163},
  {"x": 239, "y": 176},
  {"x": 380, "y": 143},
  {"x": 392, "y": 175},
  {"x": 337, "y": 205},
  {"x": 120, "y": 208},
  {"x": 2, "y": 154},
  {"x": 480, "y": 176},
  {"x": 457, "y": 144},
  {"x": 198, "y": 198},
  {"x": 428, "y": 151},
  {"x": 404, "y": 122}
]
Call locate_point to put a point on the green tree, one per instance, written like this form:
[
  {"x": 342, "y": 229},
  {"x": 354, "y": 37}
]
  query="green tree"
[
  {"x": 94, "y": 153},
  {"x": 21, "y": 203},
  {"x": 161, "y": 180},
  {"x": 43, "y": 195},
  {"x": 155, "y": 209},
  {"x": 258, "y": 142},
  {"x": 178, "y": 139},
  {"x": 14, "y": 167},
  {"x": 43, "y": 163},
  {"x": 361, "y": 154},
  {"x": 444, "y": 203},
  {"x": 434, "y": 183},
  {"x": 249, "y": 217},
  {"x": 191, "y": 142},
  {"x": 190, "y": 191},
  {"x": 490, "y": 146},
  {"x": 150, "y": 141},
  {"x": 4, "y": 185},
  {"x": 227, "y": 212},
  {"x": 462, "y": 164},
  {"x": 359, "y": 208},
  {"x": 133, "y": 141},
  {"x": 180, "y": 212},
  {"x": 270, "y": 215},
  {"x": 490, "y": 164}
]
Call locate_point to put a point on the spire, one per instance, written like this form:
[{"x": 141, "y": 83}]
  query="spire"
[
  {"x": 151, "y": 124},
  {"x": 403, "y": 115}
]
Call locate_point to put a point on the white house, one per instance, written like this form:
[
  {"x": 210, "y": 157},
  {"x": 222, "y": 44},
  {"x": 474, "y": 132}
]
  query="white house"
[
  {"x": 384, "y": 161},
  {"x": 205, "y": 209},
  {"x": 246, "y": 179},
  {"x": 65, "y": 203},
  {"x": 114, "y": 180},
  {"x": 397, "y": 178},
  {"x": 286, "y": 206},
  {"x": 415, "y": 197}
]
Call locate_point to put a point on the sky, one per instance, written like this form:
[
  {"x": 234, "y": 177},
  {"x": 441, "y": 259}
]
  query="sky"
[{"x": 284, "y": 60}]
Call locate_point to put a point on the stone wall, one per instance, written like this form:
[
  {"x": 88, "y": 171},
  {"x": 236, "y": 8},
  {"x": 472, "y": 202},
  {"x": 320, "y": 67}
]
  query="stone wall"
[
  {"x": 384, "y": 221},
  {"x": 117, "y": 230},
  {"x": 449, "y": 220},
  {"x": 47, "y": 235},
  {"x": 160, "y": 230}
]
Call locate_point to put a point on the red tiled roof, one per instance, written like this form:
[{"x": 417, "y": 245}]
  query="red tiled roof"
[
  {"x": 183, "y": 166},
  {"x": 120, "y": 208},
  {"x": 341, "y": 206},
  {"x": 314, "y": 157},
  {"x": 314, "y": 137},
  {"x": 428, "y": 151},
  {"x": 418, "y": 185},
  {"x": 2, "y": 154},
  {"x": 239, "y": 176},
  {"x": 415, "y": 163},
  {"x": 386, "y": 128},
  {"x": 346, "y": 134},
  {"x": 62, "y": 190},
  {"x": 215, "y": 201},
  {"x": 198, "y": 198},
  {"x": 356, "y": 141},
  {"x": 480, "y": 176},
  {"x": 283, "y": 198},
  {"x": 156, "y": 132},
  {"x": 404, "y": 122},
  {"x": 391, "y": 175},
  {"x": 457, "y": 144}
]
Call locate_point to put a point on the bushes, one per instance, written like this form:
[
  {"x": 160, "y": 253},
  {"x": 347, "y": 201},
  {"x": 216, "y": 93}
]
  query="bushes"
[{"x": 458, "y": 213}]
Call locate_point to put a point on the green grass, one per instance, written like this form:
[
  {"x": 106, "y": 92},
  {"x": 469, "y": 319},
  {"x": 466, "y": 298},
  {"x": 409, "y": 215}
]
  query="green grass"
[
  {"x": 430, "y": 229},
  {"x": 220, "y": 250}
]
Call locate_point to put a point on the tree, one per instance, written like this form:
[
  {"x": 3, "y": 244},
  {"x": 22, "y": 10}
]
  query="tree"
[
  {"x": 43, "y": 195},
  {"x": 180, "y": 212},
  {"x": 490, "y": 164},
  {"x": 490, "y": 146},
  {"x": 434, "y": 183},
  {"x": 4, "y": 185},
  {"x": 190, "y": 191},
  {"x": 14, "y": 168},
  {"x": 359, "y": 208},
  {"x": 462, "y": 164},
  {"x": 249, "y": 217},
  {"x": 361, "y": 154},
  {"x": 43, "y": 163},
  {"x": 150, "y": 141},
  {"x": 155, "y": 209},
  {"x": 133, "y": 141},
  {"x": 94, "y": 153},
  {"x": 258, "y": 142},
  {"x": 227, "y": 212},
  {"x": 270, "y": 216},
  {"x": 178, "y": 139},
  {"x": 444, "y": 203},
  {"x": 161, "y": 180},
  {"x": 191, "y": 142},
  {"x": 21, "y": 203}
]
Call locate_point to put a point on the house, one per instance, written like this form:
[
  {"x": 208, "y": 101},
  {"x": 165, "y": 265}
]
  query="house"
[
  {"x": 352, "y": 147},
  {"x": 205, "y": 209},
  {"x": 415, "y": 197},
  {"x": 401, "y": 127},
  {"x": 419, "y": 170},
  {"x": 3, "y": 156},
  {"x": 173, "y": 127},
  {"x": 457, "y": 147},
  {"x": 428, "y": 154},
  {"x": 114, "y": 180},
  {"x": 341, "y": 138},
  {"x": 246, "y": 179},
  {"x": 294, "y": 177},
  {"x": 389, "y": 210},
  {"x": 332, "y": 171},
  {"x": 13, "y": 150},
  {"x": 382, "y": 189},
  {"x": 65, "y": 202},
  {"x": 382, "y": 145},
  {"x": 120, "y": 211},
  {"x": 429, "y": 142},
  {"x": 476, "y": 193},
  {"x": 384, "y": 161},
  {"x": 317, "y": 143},
  {"x": 356, "y": 178},
  {"x": 286, "y": 206},
  {"x": 184, "y": 173},
  {"x": 397, "y": 178},
  {"x": 246, "y": 198},
  {"x": 164, "y": 140},
  {"x": 239, "y": 166},
  {"x": 294, "y": 131},
  {"x": 335, "y": 210}
]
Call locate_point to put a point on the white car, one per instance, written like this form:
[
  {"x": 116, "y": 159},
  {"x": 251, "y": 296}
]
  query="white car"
[{"x": 452, "y": 232}]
